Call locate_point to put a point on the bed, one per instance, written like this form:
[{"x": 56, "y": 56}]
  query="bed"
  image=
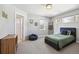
[{"x": 59, "y": 41}]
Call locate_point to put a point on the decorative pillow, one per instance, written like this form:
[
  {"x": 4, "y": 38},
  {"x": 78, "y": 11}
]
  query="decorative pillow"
[
  {"x": 68, "y": 32},
  {"x": 64, "y": 32}
]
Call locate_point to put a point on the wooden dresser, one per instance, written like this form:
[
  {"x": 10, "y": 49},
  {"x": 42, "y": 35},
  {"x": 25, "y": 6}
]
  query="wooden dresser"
[{"x": 8, "y": 44}]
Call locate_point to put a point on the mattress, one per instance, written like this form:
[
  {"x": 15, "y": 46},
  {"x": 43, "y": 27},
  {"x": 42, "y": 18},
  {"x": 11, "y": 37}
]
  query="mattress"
[{"x": 60, "y": 39}]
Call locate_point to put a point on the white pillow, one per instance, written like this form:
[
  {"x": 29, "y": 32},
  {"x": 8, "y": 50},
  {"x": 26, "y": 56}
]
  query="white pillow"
[{"x": 68, "y": 32}]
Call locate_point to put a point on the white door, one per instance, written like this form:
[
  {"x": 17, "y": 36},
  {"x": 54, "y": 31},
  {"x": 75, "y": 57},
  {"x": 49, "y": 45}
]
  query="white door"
[{"x": 19, "y": 27}]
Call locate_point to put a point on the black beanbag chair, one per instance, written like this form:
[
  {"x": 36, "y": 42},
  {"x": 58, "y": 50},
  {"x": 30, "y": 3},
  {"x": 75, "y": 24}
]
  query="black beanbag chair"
[{"x": 33, "y": 37}]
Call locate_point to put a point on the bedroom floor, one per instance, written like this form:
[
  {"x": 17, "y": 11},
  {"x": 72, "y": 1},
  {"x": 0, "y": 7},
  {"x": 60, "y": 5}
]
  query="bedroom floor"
[{"x": 40, "y": 47}]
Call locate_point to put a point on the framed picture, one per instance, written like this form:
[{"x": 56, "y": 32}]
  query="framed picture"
[
  {"x": 31, "y": 21},
  {"x": 58, "y": 20},
  {"x": 36, "y": 24},
  {"x": 4, "y": 15}
]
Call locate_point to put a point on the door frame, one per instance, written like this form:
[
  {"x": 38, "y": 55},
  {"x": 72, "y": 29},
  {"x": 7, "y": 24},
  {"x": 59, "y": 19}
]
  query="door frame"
[{"x": 20, "y": 12}]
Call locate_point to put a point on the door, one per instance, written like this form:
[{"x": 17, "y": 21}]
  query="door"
[{"x": 19, "y": 27}]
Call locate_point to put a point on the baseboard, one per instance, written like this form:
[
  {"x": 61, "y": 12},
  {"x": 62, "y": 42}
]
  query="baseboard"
[{"x": 77, "y": 41}]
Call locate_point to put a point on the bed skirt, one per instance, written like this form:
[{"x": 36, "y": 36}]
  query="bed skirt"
[{"x": 56, "y": 46}]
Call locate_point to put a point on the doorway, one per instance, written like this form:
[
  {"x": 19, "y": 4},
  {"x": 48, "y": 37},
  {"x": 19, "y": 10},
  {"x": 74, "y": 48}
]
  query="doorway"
[{"x": 19, "y": 27}]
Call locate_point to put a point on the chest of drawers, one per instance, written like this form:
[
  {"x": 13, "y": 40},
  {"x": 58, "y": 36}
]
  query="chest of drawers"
[{"x": 8, "y": 44}]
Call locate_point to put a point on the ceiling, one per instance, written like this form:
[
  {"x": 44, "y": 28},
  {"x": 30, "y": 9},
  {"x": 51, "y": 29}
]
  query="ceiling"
[{"x": 39, "y": 10}]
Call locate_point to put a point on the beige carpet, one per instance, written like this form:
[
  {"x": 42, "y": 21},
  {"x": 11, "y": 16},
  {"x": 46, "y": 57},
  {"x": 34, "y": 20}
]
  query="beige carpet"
[{"x": 40, "y": 47}]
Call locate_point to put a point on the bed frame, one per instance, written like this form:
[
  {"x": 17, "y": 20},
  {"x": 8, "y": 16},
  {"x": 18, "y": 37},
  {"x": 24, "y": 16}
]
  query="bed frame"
[{"x": 56, "y": 46}]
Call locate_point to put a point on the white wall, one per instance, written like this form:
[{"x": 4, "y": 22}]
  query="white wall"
[
  {"x": 7, "y": 26},
  {"x": 36, "y": 29},
  {"x": 59, "y": 24}
]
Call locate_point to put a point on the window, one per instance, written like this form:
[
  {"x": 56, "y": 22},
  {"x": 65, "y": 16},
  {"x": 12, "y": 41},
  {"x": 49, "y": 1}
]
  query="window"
[
  {"x": 68, "y": 19},
  {"x": 42, "y": 24}
]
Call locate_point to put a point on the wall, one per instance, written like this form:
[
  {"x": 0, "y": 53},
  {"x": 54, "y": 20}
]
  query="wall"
[
  {"x": 36, "y": 29},
  {"x": 59, "y": 24},
  {"x": 7, "y": 26}
]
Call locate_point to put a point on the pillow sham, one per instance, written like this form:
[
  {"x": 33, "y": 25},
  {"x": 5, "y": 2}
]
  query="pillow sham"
[
  {"x": 64, "y": 32},
  {"x": 68, "y": 32}
]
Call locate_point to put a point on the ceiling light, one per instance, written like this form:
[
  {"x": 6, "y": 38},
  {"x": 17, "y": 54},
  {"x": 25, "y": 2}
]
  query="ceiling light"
[{"x": 47, "y": 6}]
